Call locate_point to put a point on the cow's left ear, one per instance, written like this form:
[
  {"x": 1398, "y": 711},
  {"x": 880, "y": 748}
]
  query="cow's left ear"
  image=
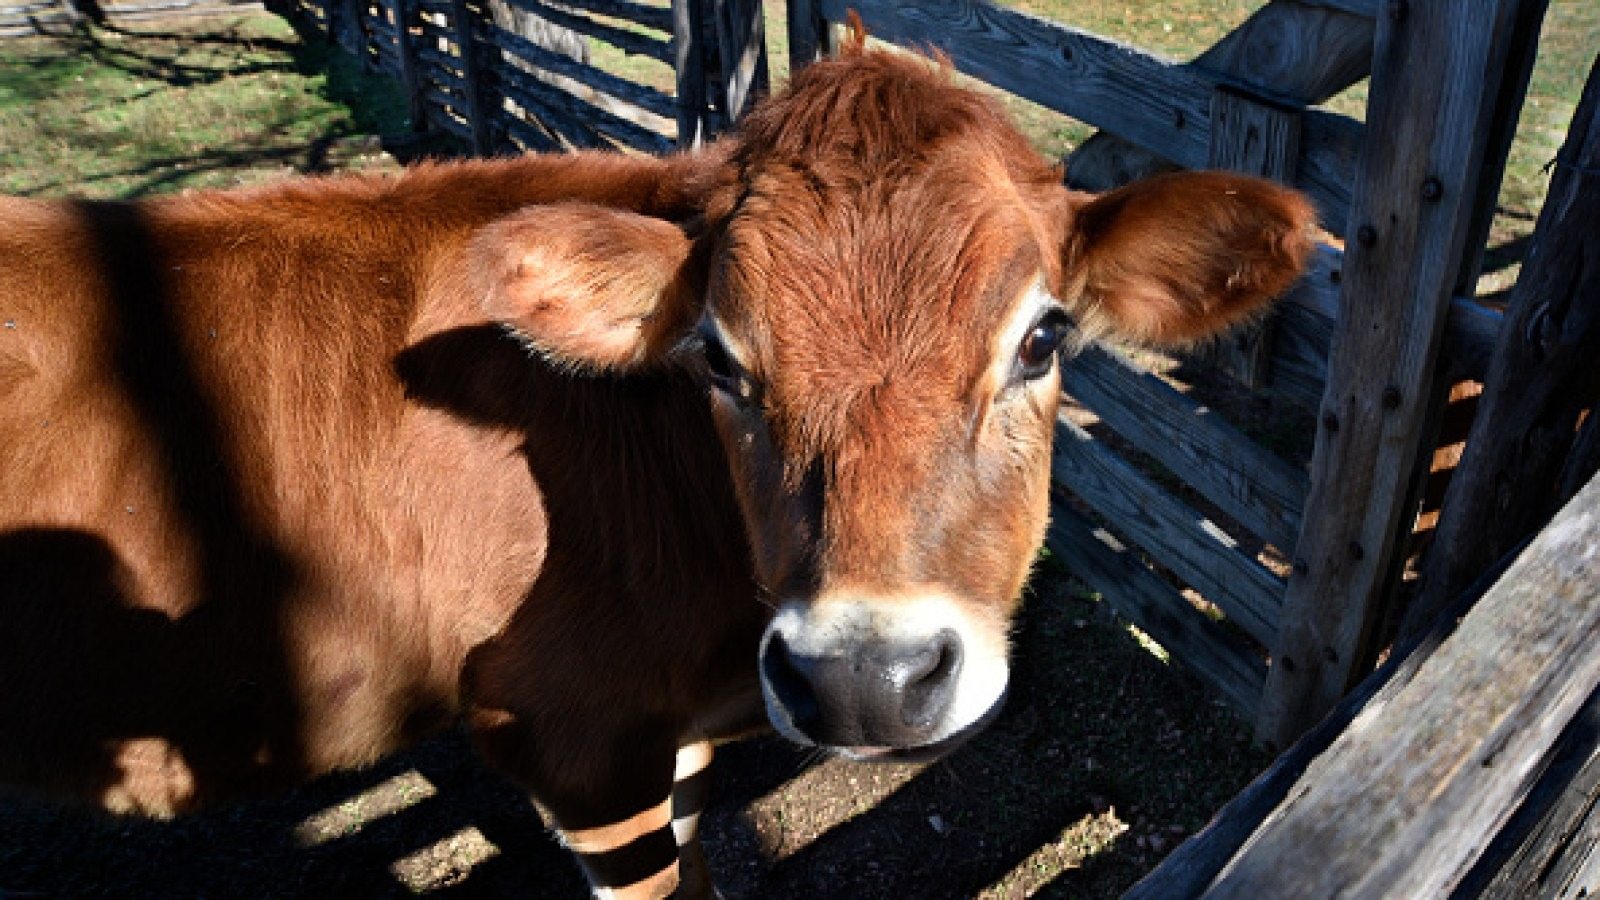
[
  {"x": 591, "y": 287},
  {"x": 1176, "y": 258}
]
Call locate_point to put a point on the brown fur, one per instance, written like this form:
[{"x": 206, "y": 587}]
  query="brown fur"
[{"x": 279, "y": 494}]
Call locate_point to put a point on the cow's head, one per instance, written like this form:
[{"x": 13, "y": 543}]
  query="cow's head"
[{"x": 875, "y": 292}]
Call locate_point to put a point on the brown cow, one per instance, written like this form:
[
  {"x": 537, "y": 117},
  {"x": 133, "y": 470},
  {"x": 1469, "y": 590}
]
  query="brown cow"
[{"x": 769, "y": 428}]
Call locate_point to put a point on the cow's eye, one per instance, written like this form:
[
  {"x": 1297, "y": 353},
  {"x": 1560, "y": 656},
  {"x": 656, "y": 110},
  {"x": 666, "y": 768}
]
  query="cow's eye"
[
  {"x": 725, "y": 375},
  {"x": 1038, "y": 350}
]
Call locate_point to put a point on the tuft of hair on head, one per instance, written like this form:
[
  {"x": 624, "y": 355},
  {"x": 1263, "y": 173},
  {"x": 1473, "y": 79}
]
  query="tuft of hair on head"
[{"x": 855, "y": 42}]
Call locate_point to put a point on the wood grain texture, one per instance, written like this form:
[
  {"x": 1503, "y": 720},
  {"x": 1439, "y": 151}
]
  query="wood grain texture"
[
  {"x": 806, "y": 28},
  {"x": 656, "y": 17},
  {"x": 463, "y": 20},
  {"x": 652, "y": 109},
  {"x": 621, "y": 38},
  {"x": 1297, "y": 52},
  {"x": 1541, "y": 379},
  {"x": 1185, "y": 542},
  {"x": 1200, "y": 645},
  {"x": 689, "y": 63},
  {"x": 1155, "y": 103},
  {"x": 1436, "y": 74},
  {"x": 1544, "y": 849},
  {"x": 742, "y": 54},
  {"x": 1402, "y": 804},
  {"x": 1195, "y": 864},
  {"x": 1249, "y": 484},
  {"x": 556, "y": 104}
]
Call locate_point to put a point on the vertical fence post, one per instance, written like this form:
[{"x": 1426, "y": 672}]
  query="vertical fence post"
[
  {"x": 465, "y": 20},
  {"x": 742, "y": 50},
  {"x": 403, "y": 11},
  {"x": 688, "y": 31},
  {"x": 1437, "y": 74},
  {"x": 809, "y": 35}
]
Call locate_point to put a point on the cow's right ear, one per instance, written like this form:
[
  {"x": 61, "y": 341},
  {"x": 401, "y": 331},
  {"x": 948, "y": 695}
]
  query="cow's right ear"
[{"x": 590, "y": 287}]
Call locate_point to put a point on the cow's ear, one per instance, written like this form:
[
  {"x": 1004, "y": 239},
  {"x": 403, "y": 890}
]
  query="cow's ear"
[
  {"x": 590, "y": 287},
  {"x": 1179, "y": 257}
]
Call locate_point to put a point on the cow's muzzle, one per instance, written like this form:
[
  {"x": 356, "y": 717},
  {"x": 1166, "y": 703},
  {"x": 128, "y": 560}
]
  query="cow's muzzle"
[{"x": 873, "y": 679}]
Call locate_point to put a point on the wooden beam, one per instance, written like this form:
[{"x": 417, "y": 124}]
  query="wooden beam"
[
  {"x": 1184, "y": 542},
  {"x": 688, "y": 55},
  {"x": 1541, "y": 379},
  {"x": 1298, "y": 51},
  {"x": 1201, "y": 646},
  {"x": 1404, "y": 802},
  {"x": 1436, "y": 75},
  {"x": 1255, "y": 488},
  {"x": 742, "y": 50},
  {"x": 1192, "y": 867},
  {"x": 1543, "y": 850},
  {"x": 807, "y": 32},
  {"x": 621, "y": 38},
  {"x": 653, "y": 108},
  {"x": 464, "y": 22}
]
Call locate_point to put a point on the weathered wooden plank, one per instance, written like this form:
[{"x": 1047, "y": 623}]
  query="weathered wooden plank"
[
  {"x": 655, "y": 109},
  {"x": 657, "y": 17},
  {"x": 1217, "y": 658},
  {"x": 806, "y": 30},
  {"x": 535, "y": 94},
  {"x": 1524, "y": 49},
  {"x": 438, "y": 105},
  {"x": 464, "y": 18},
  {"x": 1191, "y": 868},
  {"x": 1535, "y": 853},
  {"x": 1184, "y": 541},
  {"x": 1436, "y": 74},
  {"x": 1405, "y": 800},
  {"x": 443, "y": 69},
  {"x": 689, "y": 49},
  {"x": 528, "y": 135},
  {"x": 1155, "y": 103},
  {"x": 406, "y": 51},
  {"x": 1300, "y": 52},
  {"x": 621, "y": 38},
  {"x": 534, "y": 98},
  {"x": 1365, "y": 8},
  {"x": 742, "y": 52},
  {"x": 1260, "y": 491},
  {"x": 1540, "y": 381}
]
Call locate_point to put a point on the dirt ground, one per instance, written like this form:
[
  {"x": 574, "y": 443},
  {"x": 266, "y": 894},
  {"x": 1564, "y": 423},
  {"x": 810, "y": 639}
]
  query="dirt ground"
[{"x": 1105, "y": 759}]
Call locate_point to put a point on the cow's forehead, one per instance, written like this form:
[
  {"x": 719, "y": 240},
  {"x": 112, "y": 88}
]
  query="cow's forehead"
[{"x": 873, "y": 273}]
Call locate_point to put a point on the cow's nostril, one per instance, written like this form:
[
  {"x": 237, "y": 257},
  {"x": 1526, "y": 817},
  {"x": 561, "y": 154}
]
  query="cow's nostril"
[
  {"x": 930, "y": 680},
  {"x": 790, "y": 686}
]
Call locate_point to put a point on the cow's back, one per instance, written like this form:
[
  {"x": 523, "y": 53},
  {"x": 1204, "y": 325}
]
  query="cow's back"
[{"x": 268, "y": 477}]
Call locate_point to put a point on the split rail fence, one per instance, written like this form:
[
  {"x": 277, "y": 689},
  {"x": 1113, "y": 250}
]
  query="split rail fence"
[{"x": 1369, "y": 341}]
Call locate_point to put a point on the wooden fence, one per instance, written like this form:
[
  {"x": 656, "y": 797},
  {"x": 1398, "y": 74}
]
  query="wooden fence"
[
  {"x": 515, "y": 75},
  {"x": 1370, "y": 340},
  {"x": 1467, "y": 767},
  {"x": 33, "y": 17}
]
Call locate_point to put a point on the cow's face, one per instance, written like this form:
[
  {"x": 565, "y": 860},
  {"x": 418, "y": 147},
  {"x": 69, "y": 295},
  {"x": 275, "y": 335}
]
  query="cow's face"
[{"x": 875, "y": 297}]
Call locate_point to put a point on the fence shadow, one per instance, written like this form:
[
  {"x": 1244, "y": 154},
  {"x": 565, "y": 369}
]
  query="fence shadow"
[{"x": 1098, "y": 734}]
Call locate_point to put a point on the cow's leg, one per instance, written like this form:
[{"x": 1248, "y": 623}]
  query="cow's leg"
[
  {"x": 635, "y": 858},
  {"x": 606, "y": 790},
  {"x": 690, "y": 790}
]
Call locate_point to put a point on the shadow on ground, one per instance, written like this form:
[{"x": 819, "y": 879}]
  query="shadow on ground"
[{"x": 1104, "y": 760}]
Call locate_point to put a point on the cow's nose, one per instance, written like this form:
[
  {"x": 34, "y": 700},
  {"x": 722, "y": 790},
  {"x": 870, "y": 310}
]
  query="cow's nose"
[{"x": 875, "y": 694}]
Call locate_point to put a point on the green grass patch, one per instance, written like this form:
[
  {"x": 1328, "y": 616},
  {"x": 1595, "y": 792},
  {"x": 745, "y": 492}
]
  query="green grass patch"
[{"x": 107, "y": 112}]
